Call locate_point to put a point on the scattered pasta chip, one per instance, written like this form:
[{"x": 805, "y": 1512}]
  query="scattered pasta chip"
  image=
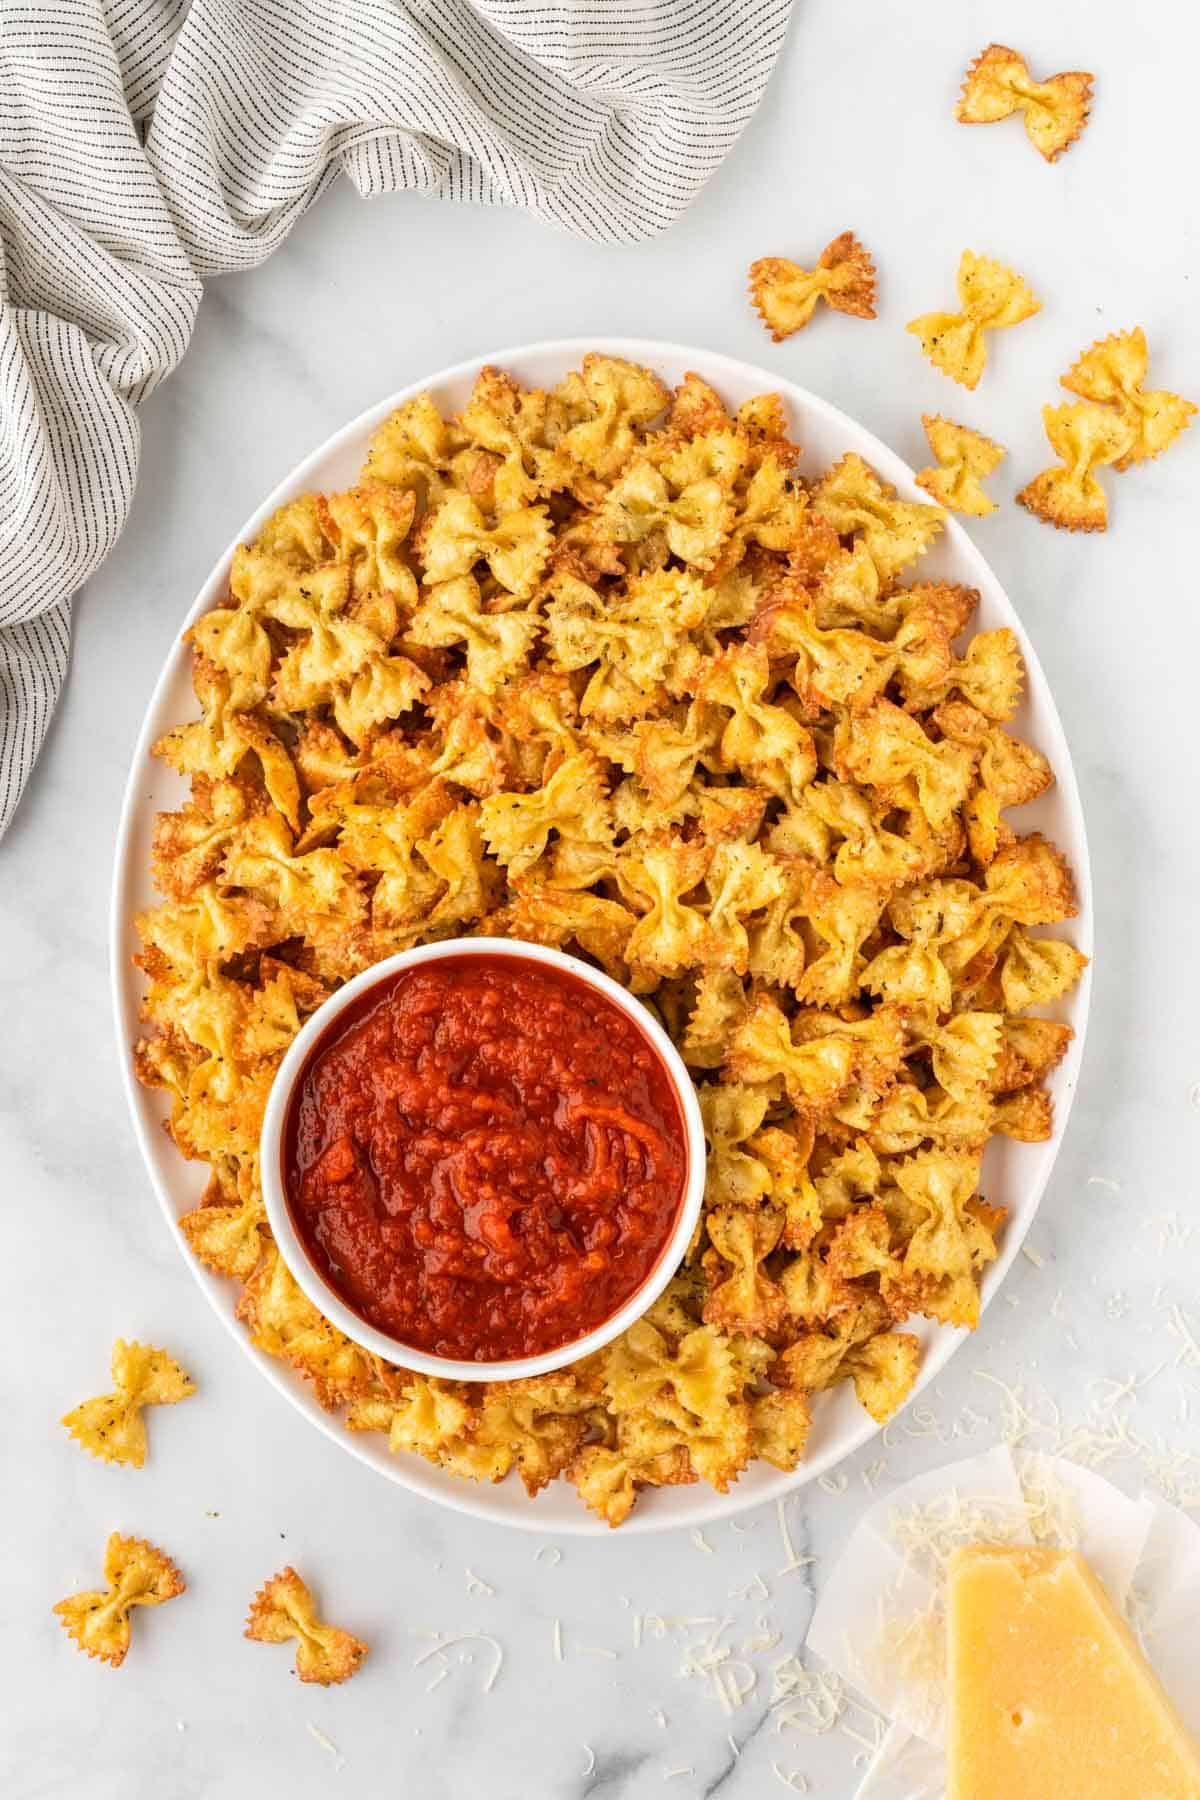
[
  {"x": 595, "y": 667},
  {"x": 992, "y": 298},
  {"x": 964, "y": 458},
  {"x": 998, "y": 83},
  {"x": 1086, "y": 437},
  {"x": 137, "y": 1575},
  {"x": 283, "y": 1608},
  {"x": 1112, "y": 372},
  {"x": 785, "y": 295},
  {"x": 111, "y": 1427}
]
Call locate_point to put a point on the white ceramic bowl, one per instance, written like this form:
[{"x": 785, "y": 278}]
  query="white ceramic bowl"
[
  {"x": 1014, "y": 1175},
  {"x": 308, "y": 1275}
]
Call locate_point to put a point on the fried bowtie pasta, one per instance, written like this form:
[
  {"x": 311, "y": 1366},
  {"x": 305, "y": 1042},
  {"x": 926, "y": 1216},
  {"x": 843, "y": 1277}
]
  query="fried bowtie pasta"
[
  {"x": 998, "y": 83},
  {"x": 1118, "y": 422},
  {"x": 992, "y": 298},
  {"x": 111, "y": 1426},
  {"x": 594, "y": 667},
  {"x": 785, "y": 296},
  {"x": 964, "y": 458},
  {"x": 282, "y": 1609},
  {"x": 137, "y": 1575}
]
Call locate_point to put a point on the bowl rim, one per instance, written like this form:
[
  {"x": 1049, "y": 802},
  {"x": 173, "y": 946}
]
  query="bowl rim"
[
  {"x": 166, "y": 1174},
  {"x": 320, "y": 1291}
]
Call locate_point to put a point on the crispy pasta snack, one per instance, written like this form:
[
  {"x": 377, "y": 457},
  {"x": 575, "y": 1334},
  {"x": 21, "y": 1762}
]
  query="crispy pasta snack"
[
  {"x": 1117, "y": 423},
  {"x": 964, "y": 458},
  {"x": 998, "y": 83},
  {"x": 137, "y": 1575},
  {"x": 282, "y": 1609},
  {"x": 991, "y": 298},
  {"x": 595, "y": 668},
  {"x": 111, "y": 1427},
  {"x": 785, "y": 296}
]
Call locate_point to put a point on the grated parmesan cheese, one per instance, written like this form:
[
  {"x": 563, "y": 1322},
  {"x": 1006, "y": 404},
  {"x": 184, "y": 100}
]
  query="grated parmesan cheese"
[
  {"x": 327, "y": 1744},
  {"x": 791, "y": 1778}
]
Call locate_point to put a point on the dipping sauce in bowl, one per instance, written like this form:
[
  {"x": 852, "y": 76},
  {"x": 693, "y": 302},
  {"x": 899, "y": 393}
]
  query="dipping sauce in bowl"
[{"x": 484, "y": 1156}]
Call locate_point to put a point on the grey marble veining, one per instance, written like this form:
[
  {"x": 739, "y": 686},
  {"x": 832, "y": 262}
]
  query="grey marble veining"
[{"x": 855, "y": 132}]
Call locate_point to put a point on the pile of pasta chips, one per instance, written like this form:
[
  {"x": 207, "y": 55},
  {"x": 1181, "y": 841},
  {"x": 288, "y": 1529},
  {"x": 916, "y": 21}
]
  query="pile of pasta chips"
[{"x": 595, "y": 668}]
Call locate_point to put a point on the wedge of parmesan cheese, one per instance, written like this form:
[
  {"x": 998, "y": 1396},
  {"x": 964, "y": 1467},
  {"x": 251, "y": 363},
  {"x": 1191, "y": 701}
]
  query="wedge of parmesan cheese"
[{"x": 1049, "y": 1696}]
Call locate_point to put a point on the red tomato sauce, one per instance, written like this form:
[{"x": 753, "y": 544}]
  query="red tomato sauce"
[{"x": 484, "y": 1157}]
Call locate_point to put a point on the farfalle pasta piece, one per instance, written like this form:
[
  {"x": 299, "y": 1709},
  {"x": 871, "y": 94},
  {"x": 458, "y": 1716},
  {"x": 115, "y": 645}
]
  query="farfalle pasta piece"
[
  {"x": 1036, "y": 971},
  {"x": 732, "y": 1113},
  {"x": 964, "y": 457},
  {"x": 112, "y": 1426},
  {"x": 457, "y": 537},
  {"x": 283, "y": 1321},
  {"x": 534, "y": 1426},
  {"x": 367, "y": 527},
  {"x": 857, "y": 503},
  {"x": 948, "y": 1244},
  {"x": 760, "y": 739},
  {"x": 839, "y": 918},
  {"x": 814, "y": 1056},
  {"x": 283, "y": 1608},
  {"x": 521, "y": 427},
  {"x": 415, "y": 449},
  {"x": 785, "y": 296},
  {"x": 780, "y": 1421},
  {"x": 691, "y": 521},
  {"x": 834, "y": 667},
  {"x": 225, "y": 1232},
  {"x": 991, "y": 298},
  {"x": 1112, "y": 373},
  {"x": 671, "y": 934},
  {"x": 741, "y": 879},
  {"x": 572, "y": 804},
  {"x": 718, "y": 1004},
  {"x": 497, "y": 644},
  {"x": 637, "y": 637},
  {"x": 998, "y": 83},
  {"x": 428, "y": 1416},
  {"x": 137, "y": 1575},
  {"x": 785, "y": 1152},
  {"x": 990, "y": 676},
  {"x": 741, "y": 1294},
  {"x": 885, "y": 748},
  {"x": 608, "y": 402},
  {"x": 881, "y": 1364},
  {"x": 1086, "y": 437},
  {"x": 561, "y": 916},
  {"x": 1029, "y": 1049}
]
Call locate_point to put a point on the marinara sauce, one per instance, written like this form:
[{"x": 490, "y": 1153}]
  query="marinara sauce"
[{"x": 484, "y": 1157}]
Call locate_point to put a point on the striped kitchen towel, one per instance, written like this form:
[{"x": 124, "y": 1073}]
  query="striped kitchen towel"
[{"x": 146, "y": 144}]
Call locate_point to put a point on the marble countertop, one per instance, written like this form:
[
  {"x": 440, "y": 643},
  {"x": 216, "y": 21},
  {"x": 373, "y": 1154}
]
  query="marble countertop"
[{"x": 1100, "y": 1328}]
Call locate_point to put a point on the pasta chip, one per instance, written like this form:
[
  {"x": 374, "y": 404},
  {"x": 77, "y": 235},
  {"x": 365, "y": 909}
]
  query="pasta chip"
[
  {"x": 991, "y": 298},
  {"x": 785, "y": 295},
  {"x": 282, "y": 1609},
  {"x": 112, "y": 1426},
  {"x": 998, "y": 83},
  {"x": 964, "y": 458},
  {"x": 137, "y": 1575},
  {"x": 1112, "y": 373},
  {"x": 856, "y": 502},
  {"x": 1086, "y": 437}
]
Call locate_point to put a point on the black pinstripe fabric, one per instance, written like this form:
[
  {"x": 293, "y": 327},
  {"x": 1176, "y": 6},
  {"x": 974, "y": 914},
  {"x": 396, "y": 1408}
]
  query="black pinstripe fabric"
[{"x": 146, "y": 144}]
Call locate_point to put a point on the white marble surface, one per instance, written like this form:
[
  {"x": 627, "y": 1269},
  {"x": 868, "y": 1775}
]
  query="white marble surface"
[{"x": 856, "y": 131}]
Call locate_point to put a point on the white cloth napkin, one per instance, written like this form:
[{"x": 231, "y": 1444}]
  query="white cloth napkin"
[{"x": 146, "y": 144}]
